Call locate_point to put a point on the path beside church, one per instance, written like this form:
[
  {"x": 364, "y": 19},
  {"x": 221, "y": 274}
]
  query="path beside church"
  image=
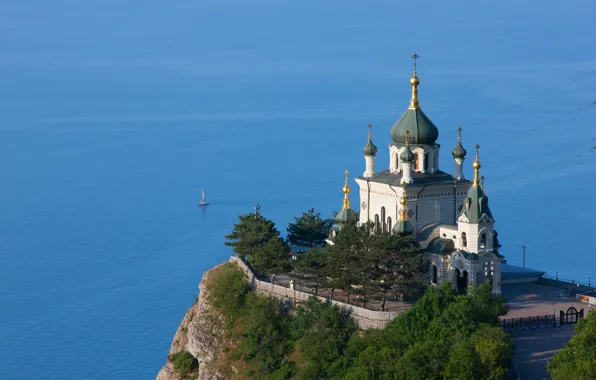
[{"x": 533, "y": 348}]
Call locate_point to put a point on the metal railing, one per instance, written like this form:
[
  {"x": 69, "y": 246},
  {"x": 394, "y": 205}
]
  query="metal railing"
[
  {"x": 528, "y": 323},
  {"x": 572, "y": 282}
]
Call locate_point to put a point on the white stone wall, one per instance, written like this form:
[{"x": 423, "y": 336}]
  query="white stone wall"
[
  {"x": 370, "y": 166},
  {"x": 435, "y": 204},
  {"x": 394, "y": 161},
  {"x": 473, "y": 233},
  {"x": 458, "y": 169},
  {"x": 420, "y": 151},
  {"x": 365, "y": 318}
]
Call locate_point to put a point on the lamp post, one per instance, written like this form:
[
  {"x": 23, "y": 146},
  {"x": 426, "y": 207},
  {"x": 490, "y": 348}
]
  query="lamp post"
[{"x": 524, "y": 248}]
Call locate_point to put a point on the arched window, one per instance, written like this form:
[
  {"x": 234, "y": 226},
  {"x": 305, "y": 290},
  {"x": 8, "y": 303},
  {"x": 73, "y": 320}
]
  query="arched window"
[
  {"x": 384, "y": 221},
  {"x": 377, "y": 223},
  {"x": 483, "y": 240},
  {"x": 434, "y": 274},
  {"x": 464, "y": 240},
  {"x": 427, "y": 162},
  {"x": 389, "y": 224}
]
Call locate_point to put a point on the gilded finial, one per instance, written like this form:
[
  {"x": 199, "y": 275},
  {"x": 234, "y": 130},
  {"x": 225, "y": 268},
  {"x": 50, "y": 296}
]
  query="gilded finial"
[
  {"x": 403, "y": 215},
  {"x": 414, "y": 81},
  {"x": 476, "y": 165},
  {"x": 482, "y": 182},
  {"x": 369, "y": 131},
  {"x": 459, "y": 129},
  {"x": 346, "y": 191}
]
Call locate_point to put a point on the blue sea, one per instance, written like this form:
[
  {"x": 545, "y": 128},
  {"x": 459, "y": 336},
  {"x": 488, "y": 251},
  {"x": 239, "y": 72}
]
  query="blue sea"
[{"x": 114, "y": 115}]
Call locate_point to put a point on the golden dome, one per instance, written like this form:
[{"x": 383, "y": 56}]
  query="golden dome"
[
  {"x": 414, "y": 81},
  {"x": 346, "y": 190}
]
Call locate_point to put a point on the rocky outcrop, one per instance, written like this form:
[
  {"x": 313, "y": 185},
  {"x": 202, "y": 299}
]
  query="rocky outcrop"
[{"x": 202, "y": 334}]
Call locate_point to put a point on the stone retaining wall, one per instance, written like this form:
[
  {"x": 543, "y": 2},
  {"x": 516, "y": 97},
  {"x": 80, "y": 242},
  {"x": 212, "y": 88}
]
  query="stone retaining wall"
[{"x": 365, "y": 318}]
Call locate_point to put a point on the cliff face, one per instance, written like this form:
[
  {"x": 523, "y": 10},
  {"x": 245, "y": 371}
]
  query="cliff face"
[{"x": 202, "y": 334}]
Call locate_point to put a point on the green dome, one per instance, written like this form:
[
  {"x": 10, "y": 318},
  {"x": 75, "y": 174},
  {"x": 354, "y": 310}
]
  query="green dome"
[
  {"x": 345, "y": 215},
  {"x": 420, "y": 129},
  {"x": 403, "y": 227},
  {"x": 407, "y": 155},
  {"x": 459, "y": 151},
  {"x": 370, "y": 149},
  {"x": 476, "y": 205}
]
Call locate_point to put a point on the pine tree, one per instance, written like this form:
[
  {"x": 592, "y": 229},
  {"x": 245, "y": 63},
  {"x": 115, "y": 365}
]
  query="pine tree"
[
  {"x": 311, "y": 267},
  {"x": 251, "y": 233},
  {"x": 308, "y": 231},
  {"x": 271, "y": 257}
]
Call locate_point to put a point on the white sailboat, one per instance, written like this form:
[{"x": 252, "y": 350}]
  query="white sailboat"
[{"x": 203, "y": 201}]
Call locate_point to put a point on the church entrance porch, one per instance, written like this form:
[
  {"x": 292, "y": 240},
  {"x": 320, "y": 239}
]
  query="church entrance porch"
[{"x": 461, "y": 280}]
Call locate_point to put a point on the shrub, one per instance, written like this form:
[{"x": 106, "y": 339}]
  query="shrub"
[
  {"x": 228, "y": 290},
  {"x": 184, "y": 362}
]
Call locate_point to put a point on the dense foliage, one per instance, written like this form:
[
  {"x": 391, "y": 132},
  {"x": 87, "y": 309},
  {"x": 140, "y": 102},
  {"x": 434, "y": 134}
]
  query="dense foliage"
[
  {"x": 252, "y": 232},
  {"x": 577, "y": 360},
  {"x": 184, "y": 363},
  {"x": 380, "y": 265},
  {"x": 256, "y": 237},
  {"x": 377, "y": 266},
  {"x": 308, "y": 231},
  {"x": 228, "y": 290},
  {"x": 444, "y": 336}
]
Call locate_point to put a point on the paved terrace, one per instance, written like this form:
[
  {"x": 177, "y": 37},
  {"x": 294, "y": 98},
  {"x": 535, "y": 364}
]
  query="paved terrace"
[
  {"x": 535, "y": 347},
  {"x": 531, "y": 299}
]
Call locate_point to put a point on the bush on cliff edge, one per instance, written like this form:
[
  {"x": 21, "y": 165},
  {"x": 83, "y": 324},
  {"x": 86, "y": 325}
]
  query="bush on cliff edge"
[
  {"x": 184, "y": 363},
  {"x": 228, "y": 290}
]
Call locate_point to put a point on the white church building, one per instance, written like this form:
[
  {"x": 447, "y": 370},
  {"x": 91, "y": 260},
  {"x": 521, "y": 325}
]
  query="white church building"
[{"x": 448, "y": 214}]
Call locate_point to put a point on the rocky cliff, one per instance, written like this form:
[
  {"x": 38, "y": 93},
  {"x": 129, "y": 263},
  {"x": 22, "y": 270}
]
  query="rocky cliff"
[{"x": 202, "y": 334}]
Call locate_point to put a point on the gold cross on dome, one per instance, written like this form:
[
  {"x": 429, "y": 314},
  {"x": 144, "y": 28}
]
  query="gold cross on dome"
[
  {"x": 415, "y": 58},
  {"x": 482, "y": 181},
  {"x": 369, "y": 131},
  {"x": 346, "y": 173},
  {"x": 477, "y": 147}
]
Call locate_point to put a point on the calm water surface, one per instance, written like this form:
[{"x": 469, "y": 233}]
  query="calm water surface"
[{"x": 113, "y": 117}]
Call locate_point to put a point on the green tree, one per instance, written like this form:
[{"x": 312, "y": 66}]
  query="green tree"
[
  {"x": 494, "y": 349},
  {"x": 344, "y": 259},
  {"x": 394, "y": 264},
  {"x": 271, "y": 257},
  {"x": 577, "y": 360},
  {"x": 228, "y": 290},
  {"x": 311, "y": 268},
  {"x": 322, "y": 332},
  {"x": 308, "y": 231},
  {"x": 265, "y": 333},
  {"x": 250, "y": 234}
]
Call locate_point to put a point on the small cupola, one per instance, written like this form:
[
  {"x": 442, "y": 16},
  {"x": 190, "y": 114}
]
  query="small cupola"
[
  {"x": 459, "y": 151},
  {"x": 403, "y": 225},
  {"x": 346, "y": 215},
  {"x": 369, "y": 149},
  {"x": 407, "y": 155}
]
